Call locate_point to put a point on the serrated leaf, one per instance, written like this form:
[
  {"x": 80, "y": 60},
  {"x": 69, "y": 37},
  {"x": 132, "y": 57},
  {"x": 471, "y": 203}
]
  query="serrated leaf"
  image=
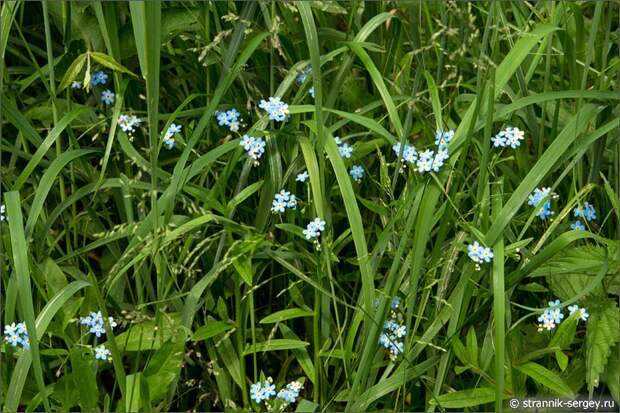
[
  {"x": 612, "y": 374},
  {"x": 572, "y": 269},
  {"x": 578, "y": 260},
  {"x": 601, "y": 335}
]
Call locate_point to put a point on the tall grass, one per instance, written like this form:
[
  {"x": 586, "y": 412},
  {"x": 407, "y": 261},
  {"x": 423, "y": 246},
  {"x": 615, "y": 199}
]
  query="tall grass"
[{"x": 212, "y": 292}]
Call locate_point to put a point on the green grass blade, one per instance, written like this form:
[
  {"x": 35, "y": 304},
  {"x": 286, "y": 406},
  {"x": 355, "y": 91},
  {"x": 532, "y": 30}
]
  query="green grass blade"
[{"x": 22, "y": 272}]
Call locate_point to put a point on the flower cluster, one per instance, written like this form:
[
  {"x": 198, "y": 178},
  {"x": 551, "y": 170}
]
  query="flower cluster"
[
  {"x": 479, "y": 253},
  {"x": 552, "y": 316},
  {"x": 265, "y": 391},
  {"x": 394, "y": 331},
  {"x": 129, "y": 123},
  {"x": 357, "y": 173},
  {"x": 586, "y": 212},
  {"x": 511, "y": 136},
  {"x": 276, "y": 108},
  {"x": 282, "y": 200},
  {"x": 410, "y": 155},
  {"x": 344, "y": 148},
  {"x": 302, "y": 176},
  {"x": 17, "y": 334},
  {"x": 428, "y": 160},
  {"x": 107, "y": 97},
  {"x": 99, "y": 78},
  {"x": 314, "y": 228},
  {"x": 290, "y": 393},
  {"x": 543, "y": 196},
  {"x": 230, "y": 118},
  {"x": 172, "y": 130},
  {"x": 255, "y": 147},
  {"x": 95, "y": 322},
  {"x": 442, "y": 139},
  {"x": 582, "y": 313},
  {"x": 260, "y": 392}
]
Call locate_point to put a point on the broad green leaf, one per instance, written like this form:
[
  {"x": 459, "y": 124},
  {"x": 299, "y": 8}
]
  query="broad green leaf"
[
  {"x": 565, "y": 333},
  {"x": 601, "y": 336},
  {"x": 147, "y": 335},
  {"x": 306, "y": 406},
  {"x": 110, "y": 63},
  {"x": 163, "y": 368},
  {"x": 84, "y": 372},
  {"x": 277, "y": 344},
  {"x": 212, "y": 329},
  {"x": 133, "y": 402},
  {"x": 72, "y": 72},
  {"x": 301, "y": 354},
  {"x": 464, "y": 398},
  {"x": 546, "y": 378},
  {"x": 287, "y": 314}
]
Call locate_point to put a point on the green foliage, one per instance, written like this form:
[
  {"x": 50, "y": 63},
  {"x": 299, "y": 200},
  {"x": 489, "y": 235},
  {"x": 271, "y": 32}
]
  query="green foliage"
[
  {"x": 602, "y": 335},
  {"x": 212, "y": 291}
]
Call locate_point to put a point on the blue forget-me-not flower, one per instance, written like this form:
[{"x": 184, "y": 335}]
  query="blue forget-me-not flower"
[
  {"x": 542, "y": 196},
  {"x": 357, "y": 173},
  {"x": 255, "y": 147},
  {"x": 107, "y": 97},
  {"x": 275, "y": 108},
  {"x": 262, "y": 391},
  {"x": 168, "y": 137},
  {"x": 290, "y": 393},
  {"x": 581, "y": 312},
  {"x": 314, "y": 228},
  {"x": 302, "y": 176},
  {"x": 282, "y": 200},
  {"x": 99, "y": 78},
  {"x": 230, "y": 118},
  {"x": 511, "y": 136},
  {"x": 479, "y": 253},
  {"x": 102, "y": 353},
  {"x": 17, "y": 335}
]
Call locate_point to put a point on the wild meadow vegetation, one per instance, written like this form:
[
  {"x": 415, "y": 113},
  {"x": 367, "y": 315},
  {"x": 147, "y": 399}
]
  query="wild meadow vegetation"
[{"x": 308, "y": 206}]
